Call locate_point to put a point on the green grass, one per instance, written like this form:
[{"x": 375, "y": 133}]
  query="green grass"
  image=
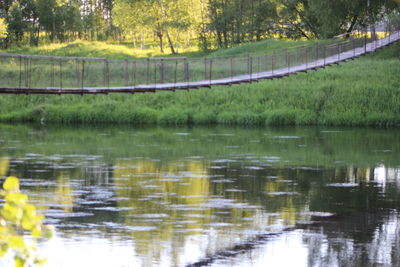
[
  {"x": 363, "y": 92},
  {"x": 88, "y": 49},
  {"x": 126, "y": 51}
]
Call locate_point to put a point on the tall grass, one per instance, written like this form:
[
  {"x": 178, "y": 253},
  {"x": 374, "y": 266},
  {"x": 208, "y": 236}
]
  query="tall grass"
[{"x": 364, "y": 92}]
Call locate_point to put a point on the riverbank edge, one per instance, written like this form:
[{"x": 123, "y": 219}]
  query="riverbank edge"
[{"x": 363, "y": 92}]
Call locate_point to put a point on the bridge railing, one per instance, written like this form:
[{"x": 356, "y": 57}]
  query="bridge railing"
[{"x": 44, "y": 72}]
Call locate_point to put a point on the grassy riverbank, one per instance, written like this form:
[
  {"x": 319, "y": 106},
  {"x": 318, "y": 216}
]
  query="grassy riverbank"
[
  {"x": 364, "y": 92},
  {"x": 127, "y": 51}
]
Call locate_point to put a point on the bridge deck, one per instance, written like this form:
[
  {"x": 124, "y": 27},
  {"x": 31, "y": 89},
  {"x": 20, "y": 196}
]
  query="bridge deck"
[{"x": 250, "y": 77}]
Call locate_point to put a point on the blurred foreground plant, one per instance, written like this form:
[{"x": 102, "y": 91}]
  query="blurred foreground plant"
[{"x": 19, "y": 222}]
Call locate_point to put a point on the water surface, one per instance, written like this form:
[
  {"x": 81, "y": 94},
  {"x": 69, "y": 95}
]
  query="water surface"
[{"x": 125, "y": 196}]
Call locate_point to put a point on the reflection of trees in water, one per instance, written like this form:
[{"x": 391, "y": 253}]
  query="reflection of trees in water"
[
  {"x": 175, "y": 200},
  {"x": 4, "y": 166},
  {"x": 365, "y": 230},
  {"x": 367, "y": 239},
  {"x": 65, "y": 186}
]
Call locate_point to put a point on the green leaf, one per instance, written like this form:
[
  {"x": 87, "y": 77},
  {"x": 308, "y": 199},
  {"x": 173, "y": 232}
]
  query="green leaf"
[
  {"x": 11, "y": 184},
  {"x": 16, "y": 216},
  {"x": 17, "y": 243},
  {"x": 3, "y": 249},
  {"x": 17, "y": 199},
  {"x": 9, "y": 212},
  {"x": 19, "y": 262},
  {"x": 40, "y": 261}
]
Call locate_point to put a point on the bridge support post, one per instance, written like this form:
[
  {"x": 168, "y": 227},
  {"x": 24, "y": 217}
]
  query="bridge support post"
[
  {"x": 155, "y": 73},
  {"x": 210, "y": 77},
  {"x": 134, "y": 67},
  {"x": 83, "y": 73},
  {"x": 106, "y": 74},
  {"x": 30, "y": 73},
  {"x": 148, "y": 71},
  {"x": 287, "y": 60},
  {"x": 176, "y": 70},
  {"x": 20, "y": 71},
  {"x": 126, "y": 72},
  {"x": 61, "y": 74},
  {"x": 250, "y": 68},
  {"x": 162, "y": 74},
  {"x": 205, "y": 69},
  {"x": 273, "y": 63},
  {"x": 77, "y": 73},
  {"x": 231, "y": 63},
  {"x": 186, "y": 70},
  {"x": 52, "y": 73},
  {"x": 306, "y": 57}
]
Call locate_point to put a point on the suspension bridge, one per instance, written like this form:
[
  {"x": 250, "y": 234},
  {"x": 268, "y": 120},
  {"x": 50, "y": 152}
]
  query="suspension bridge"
[{"x": 28, "y": 74}]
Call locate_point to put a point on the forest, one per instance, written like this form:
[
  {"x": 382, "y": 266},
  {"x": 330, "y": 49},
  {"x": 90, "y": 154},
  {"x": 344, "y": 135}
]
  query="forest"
[{"x": 174, "y": 24}]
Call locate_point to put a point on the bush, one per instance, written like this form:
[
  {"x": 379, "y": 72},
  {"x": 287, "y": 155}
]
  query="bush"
[{"x": 17, "y": 217}]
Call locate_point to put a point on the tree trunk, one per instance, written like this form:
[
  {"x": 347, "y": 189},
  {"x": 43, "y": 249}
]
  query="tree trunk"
[
  {"x": 225, "y": 36},
  {"x": 171, "y": 45},
  {"x": 134, "y": 38},
  {"x": 352, "y": 24},
  {"x": 160, "y": 38},
  {"x": 142, "y": 40},
  {"x": 53, "y": 32},
  {"x": 219, "y": 39},
  {"x": 300, "y": 30},
  {"x": 373, "y": 32}
]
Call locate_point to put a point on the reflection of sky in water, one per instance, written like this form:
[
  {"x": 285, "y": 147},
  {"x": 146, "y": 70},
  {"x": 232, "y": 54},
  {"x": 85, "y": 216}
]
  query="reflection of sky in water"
[
  {"x": 64, "y": 252},
  {"x": 128, "y": 209},
  {"x": 181, "y": 198},
  {"x": 285, "y": 250}
]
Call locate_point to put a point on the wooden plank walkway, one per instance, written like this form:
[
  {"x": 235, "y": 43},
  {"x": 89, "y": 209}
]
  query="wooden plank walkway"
[{"x": 245, "y": 78}]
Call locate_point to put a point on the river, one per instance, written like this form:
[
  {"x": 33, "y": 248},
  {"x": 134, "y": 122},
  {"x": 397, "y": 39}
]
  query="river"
[{"x": 210, "y": 196}]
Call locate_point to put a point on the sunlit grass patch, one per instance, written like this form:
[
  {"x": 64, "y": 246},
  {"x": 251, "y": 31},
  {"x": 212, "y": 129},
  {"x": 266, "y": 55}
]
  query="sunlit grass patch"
[
  {"x": 128, "y": 51},
  {"x": 89, "y": 49}
]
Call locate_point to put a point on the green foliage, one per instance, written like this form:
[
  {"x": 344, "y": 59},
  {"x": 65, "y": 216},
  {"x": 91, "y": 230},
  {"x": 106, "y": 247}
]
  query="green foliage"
[
  {"x": 16, "y": 23},
  {"x": 18, "y": 217},
  {"x": 168, "y": 19},
  {"x": 326, "y": 18},
  {"x": 3, "y": 28},
  {"x": 237, "y": 21},
  {"x": 207, "y": 24}
]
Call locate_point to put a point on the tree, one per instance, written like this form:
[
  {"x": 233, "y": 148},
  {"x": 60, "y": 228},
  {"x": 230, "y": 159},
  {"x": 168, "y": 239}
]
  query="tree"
[
  {"x": 16, "y": 24},
  {"x": 140, "y": 23},
  {"x": 3, "y": 28},
  {"x": 168, "y": 19},
  {"x": 326, "y": 18},
  {"x": 237, "y": 21}
]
